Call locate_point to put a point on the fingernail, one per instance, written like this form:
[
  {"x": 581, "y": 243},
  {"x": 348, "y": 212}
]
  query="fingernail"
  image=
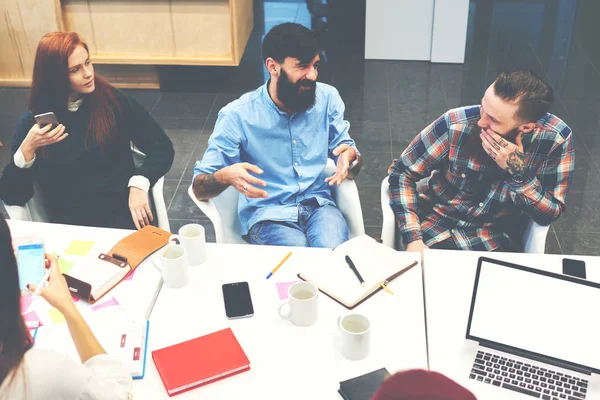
[{"x": 27, "y": 286}]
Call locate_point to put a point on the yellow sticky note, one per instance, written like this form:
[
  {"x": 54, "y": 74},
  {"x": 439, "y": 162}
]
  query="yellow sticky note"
[
  {"x": 65, "y": 266},
  {"x": 56, "y": 316},
  {"x": 79, "y": 248}
]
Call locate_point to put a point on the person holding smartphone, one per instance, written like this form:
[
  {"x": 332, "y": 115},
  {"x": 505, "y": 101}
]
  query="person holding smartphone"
[
  {"x": 84, "y": 163},
  {"x": 35, "y": 374}
]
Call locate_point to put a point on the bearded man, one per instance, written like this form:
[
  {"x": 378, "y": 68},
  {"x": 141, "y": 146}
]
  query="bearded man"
[{"x": 272, "y": 146}]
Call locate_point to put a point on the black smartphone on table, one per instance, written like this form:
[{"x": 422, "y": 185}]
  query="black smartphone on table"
[
  {"x": 238, "y": 302},
  {"x": 574, "y": 268}
]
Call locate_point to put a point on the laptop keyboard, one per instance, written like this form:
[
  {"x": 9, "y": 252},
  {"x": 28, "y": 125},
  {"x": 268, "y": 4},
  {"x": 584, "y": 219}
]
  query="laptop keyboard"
[{"x": 527, "y": 379}]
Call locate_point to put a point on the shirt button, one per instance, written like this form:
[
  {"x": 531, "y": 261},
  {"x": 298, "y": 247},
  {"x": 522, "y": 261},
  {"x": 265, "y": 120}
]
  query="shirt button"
[
  {"x": 294, "y": 142},
  {"x": 453, "y": 231},
  {"x": 463, "y": 175},
  {"x": 492, "y": 185},
  {"x": 480, "y": 204},
  {"x": 296, "y": 164}
]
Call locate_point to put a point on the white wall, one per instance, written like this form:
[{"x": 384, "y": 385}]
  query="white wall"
[
  {"x": 450, "y": 18},
  {"x": 398, "y": 29}
]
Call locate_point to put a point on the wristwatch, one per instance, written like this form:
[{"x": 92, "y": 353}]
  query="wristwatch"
[{"x": 521, "y": 176}]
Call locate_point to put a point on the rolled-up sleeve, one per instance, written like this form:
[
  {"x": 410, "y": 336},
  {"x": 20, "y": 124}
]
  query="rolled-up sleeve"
[
  {"x": 338, "y": 127},
  {"x": 223, "y": 146}
]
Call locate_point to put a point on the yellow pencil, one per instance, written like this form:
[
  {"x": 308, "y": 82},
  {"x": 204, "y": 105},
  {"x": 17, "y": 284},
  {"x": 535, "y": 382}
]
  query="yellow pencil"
[
  {"x": 279, "y": 265},
  {"x": 384, "y": 286}
]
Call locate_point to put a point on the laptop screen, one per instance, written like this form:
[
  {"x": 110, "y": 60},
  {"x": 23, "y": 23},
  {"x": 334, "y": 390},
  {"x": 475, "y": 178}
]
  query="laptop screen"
[{"x": 536, "y": 311}]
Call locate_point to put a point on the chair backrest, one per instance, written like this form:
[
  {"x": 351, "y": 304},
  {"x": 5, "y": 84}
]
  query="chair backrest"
[{"x": 227, "y": 207}]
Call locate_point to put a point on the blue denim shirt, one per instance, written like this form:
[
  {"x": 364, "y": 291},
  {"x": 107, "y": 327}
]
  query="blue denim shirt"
[{"x": 291, "y": 149}]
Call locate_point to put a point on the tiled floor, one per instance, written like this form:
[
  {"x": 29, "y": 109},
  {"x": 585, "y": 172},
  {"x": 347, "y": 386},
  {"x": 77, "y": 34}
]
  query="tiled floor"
[{"x": 389, "y": 102}]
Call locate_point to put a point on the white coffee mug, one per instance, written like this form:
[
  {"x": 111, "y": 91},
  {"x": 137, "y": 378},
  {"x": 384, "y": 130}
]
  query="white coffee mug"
[
  {"x": 355, "y": 336},
  {"x": 193, "y": 238},
  {"x": 303, "y": 303},
  {"x": 172, "y": 262}
]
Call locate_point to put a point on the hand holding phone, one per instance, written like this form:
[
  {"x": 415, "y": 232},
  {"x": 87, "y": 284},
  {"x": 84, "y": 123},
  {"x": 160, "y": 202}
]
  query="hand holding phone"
[
  {"x": 238, "y": 302},
  {"x": 42, "y": 135}
]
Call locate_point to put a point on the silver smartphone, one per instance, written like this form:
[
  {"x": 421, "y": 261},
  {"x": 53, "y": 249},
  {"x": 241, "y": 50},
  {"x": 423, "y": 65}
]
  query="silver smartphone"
[{"x": 47, "y": 118}]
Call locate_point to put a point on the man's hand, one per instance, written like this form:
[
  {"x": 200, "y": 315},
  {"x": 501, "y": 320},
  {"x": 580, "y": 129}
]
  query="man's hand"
[
  {"x": 237, "y": 175},
  {"x": 346, "y": 155},
  {"x": 507, "y": 155},
  {"x": 139, "y": 206},
  {"x": 416, "y": 246}
]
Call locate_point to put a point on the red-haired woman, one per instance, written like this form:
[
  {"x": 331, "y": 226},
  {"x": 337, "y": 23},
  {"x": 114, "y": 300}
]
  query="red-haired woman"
[
  {"x": 38, "y": 374},
  {"x": 84, "y": 165}
]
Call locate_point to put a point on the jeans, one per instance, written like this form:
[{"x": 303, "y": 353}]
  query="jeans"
[{"x": 316, "y": 227}]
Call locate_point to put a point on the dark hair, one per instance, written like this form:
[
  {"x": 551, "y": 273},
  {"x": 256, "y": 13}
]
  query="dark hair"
[
  {"x": 533, "y": 95},
  {"x": 290, "y": 40},
  {"x": 14, "y": 337},
  {"x": 50, "y": 87}
]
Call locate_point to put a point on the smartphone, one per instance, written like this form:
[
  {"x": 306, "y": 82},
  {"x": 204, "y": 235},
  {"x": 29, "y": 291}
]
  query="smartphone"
[
  {"x": 47, "y": 118},
  {"x": 238, "y": 303},
  {"x": 30, "y": 262},
  {"x": 574, "y": 268}
]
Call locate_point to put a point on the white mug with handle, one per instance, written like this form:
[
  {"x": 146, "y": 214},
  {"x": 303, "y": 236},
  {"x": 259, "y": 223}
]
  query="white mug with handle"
[
  {"x": 193, "y": 238},
  {"x": 173, "y": 264},
  {"x": 355, "y": 336},
  {"x": 303, "y": 303}
]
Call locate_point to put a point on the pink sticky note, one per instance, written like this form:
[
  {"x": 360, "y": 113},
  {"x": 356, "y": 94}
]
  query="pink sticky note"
[
  {"x": 130, "y": 276},
  {"x": 32, "y": 317},
  {"x": 25, "y": 302},
  {"x": 75, "y": 299},
  {"x": 282, "y": 289},
  {"x": 110, "y": 303}
]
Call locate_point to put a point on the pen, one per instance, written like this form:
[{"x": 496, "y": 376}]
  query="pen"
[
  {"x": 279, "y": 265},
  {"x": 353, "y": 268},
  {"x": 39, "y": 288}
]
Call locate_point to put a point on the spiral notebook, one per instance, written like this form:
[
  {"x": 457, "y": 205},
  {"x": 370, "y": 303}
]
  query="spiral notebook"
[{"x": 377, "y": 264}]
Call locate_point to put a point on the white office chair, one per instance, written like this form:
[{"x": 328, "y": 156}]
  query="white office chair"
[
  {"x": 534, "y": 236},
  {"x": 34, "y": 209},
  {"x": 223, "y": 213}
]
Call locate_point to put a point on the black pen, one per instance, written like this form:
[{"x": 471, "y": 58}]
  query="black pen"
[{"x": 353, "y": 268}]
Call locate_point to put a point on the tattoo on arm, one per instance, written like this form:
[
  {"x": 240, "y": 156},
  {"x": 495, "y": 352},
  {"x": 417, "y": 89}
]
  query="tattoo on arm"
[
  {"x": 206, "y": 186},
  {"x": 516, "y": 162}
]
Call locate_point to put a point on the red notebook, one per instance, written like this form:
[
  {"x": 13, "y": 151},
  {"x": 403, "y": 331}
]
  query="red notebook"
[{"x": 200, "y": 361}]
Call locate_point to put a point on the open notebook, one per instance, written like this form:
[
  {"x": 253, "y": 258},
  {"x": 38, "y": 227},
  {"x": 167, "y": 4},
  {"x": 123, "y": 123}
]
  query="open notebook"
[
  {"x": 121, "y": 336},
  {"x": 377, "y": 264}
]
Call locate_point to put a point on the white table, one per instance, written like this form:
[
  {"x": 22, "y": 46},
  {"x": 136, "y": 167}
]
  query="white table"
[
  {"x": 286, "y": 361},
  {"x": 449, "y": 277},
  {"x": 137, "y": 295}
]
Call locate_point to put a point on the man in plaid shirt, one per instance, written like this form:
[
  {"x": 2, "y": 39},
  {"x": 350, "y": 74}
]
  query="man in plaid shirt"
[{"x": 491, "y": 167}]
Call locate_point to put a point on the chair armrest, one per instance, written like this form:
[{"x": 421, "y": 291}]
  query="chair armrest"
[
  {"x": 348, "y": 202},
  {"x": 535, "y": 237},
  {"x": 388, "y": 227},
  {"x": 160, "y": 206},
  {"x": 209, "y": 209},
  {"x": 18, "y": 213}
]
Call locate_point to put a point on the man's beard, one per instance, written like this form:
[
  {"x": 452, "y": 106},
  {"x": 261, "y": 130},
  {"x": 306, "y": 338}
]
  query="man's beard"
[
  {"x": 475, "y": 147},
  {"x": 292, "y": 97}
]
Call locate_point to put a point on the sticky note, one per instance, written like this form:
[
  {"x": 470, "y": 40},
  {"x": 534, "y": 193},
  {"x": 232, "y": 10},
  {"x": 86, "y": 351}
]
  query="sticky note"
[
  {"x": 75, "y": 299},
  {"x": 283, "y": 287},
  {"x": 110, "y": 303},
  {"x": 56, "y": 316},
  {"x": 79, "y": 248},
  {"x": 32, "y": 317},
  {"x": 25, "y": 302},
  {"x": 130, "y": 276},
  {"x": 65, "y": 266}
]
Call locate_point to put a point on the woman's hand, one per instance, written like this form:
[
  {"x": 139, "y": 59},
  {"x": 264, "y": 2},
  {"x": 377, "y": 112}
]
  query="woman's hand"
[
  {"x": 40, "y": 137},
  {"x": 139, "y": 206},
  {"x": 56, "y": 291}
]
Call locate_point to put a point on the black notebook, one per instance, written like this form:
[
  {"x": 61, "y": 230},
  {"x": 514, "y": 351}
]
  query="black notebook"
[{"x": 363, "y": 387}]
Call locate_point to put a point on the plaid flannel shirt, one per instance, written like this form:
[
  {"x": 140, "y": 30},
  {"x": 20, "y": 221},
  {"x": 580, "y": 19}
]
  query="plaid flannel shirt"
[{"x": 472, "y": 202}]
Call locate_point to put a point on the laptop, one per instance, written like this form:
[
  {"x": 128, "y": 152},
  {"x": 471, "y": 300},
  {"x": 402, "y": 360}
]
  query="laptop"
[{"x": 532, "y": 334}]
